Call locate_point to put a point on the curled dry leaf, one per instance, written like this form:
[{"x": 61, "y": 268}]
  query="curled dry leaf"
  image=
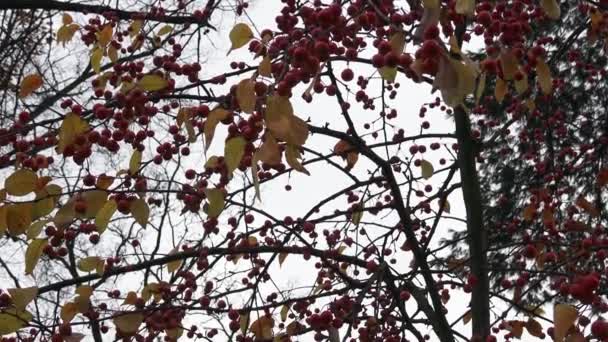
[{"x": 29, "y": 84}]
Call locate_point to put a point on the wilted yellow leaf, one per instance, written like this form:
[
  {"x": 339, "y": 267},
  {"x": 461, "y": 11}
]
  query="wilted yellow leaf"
[
  {"x": 214, "y": 117},
  {"x": 128, "y": 323},
  {"x": 589, "y": 208},
  {"x": 165, "y": 30},
  {"x": 66, "y": 33},
  {"x": 33, "y": 254},
  {"x": 244, "y": 322},
  {"x": 564, "y": 316},
  {"x": 152, "y": 82},
  {"x": 104, "y": 215},
  {"x": 29, "y": 84},
  {"x": 284, "y": 312},
  {"x": 551, "y": 8},
  {"x": 113, "y": 53},
  {"x": 245, "y": 95},
  {"x": 173, "y": 266},
  {"x": 544, "y": 76},
  {"x": 292, "y": 155},
  {"x": 269, "y": 152},
  {"x": 104, "y": 37},
  {"x": 265, "y": 67},
  {"x": 23, "y": 296},
  {"x": 96, "y": 57},
  {"x": 216, "y": 201},
  {"x": 90, "y": 264},
  {"x": 140, "y": 211},
  {"x": 262, "y": 327},
  {"x": 233, "y": 152},
  {"x": 68, "y": 312},
  {"x": 71, "y": 127},
  {"x": 240, "y": 35},
  {"x": 466, "y": 7},
  {"x": 282, "y": 257},
  {"x": 35, "y": 229},
  {"x": 388, "y": 73},
  {"x": 427, "y": 169},
  {"x": 18, "y": 218},
  {"x": 134, "y": 162},
  {"x": 11, "y": 320},
  {"x": 500, "y": 90},
  {"x": 135, "y": 27},
  {"x": 21, "y": 182}
]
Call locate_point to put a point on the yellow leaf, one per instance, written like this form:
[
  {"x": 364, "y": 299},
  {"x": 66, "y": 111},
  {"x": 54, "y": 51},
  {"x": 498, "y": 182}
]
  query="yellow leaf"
[
  {"x": 284, "y": 312},
  {"x": 465, "y": 7},
  {"x": 292, "y": 154},
  {"x": 113, "y": 53},
  {"x": 90, "y": 264},
  {"x": 233, "y": 153},
  {"x": 564, "y": 316},
  {"x": 516, "y": 328},
  {"x": 509, "y": 64},
  {"x": 3, "y": 219},
  {"x": 35, "y": 229},
  {"x": 104, "y": 215},
  {"x": 173, "y": 265},
  {"x": 140, "y": 211},
  {"x": 551, "y": 8},
  {"x": 544, "y": 76},
  {"x": 66, "y": 19},
  {"x": 481, "y": 86},
  {"x": 68, "y": 312},
  {"x": 529, "y": 212},
  {"x": 129, "y": 323},
  {"x": 244, "y": 322},
  {"x": 130, "y": 299},
  {"x": 29, "y": 84},
  {"x": 534, "y": 328},
  {"x": 134, "y": 162},
  {"x": 21, "y": 182},
  {"x": 262, "y": 327},
  {"x": 104, "y": 37},
  {"x": 265, "y": 67},
  {"x": 388, "y": 73},
  {"x": 240, "y": 35},
  {"x": 33, "y": 254},
  {"x": 43, "y": 205},
  {"x": 135, "y": 27},
  {"x": 427, "y": 169},
  {"x": 95, "y": 200},
  {"x": 245, "y": 95},
  {"x": 104, "y": 182},
  {"x": 214, "y": 117},
  {"x": 589, "y": 208},
  {"x": 18, "y": 218},
  {"x": 165, "y": 30},
  {"x": 66, "y": 33},
  {"x": 216, "y": 202},
  {"x": 522, "y": 85},
  {"x": 96, "y": 56},
  {"x": 71, "y": 127},
  {"x": 282, "y": 257},
  {"x": 84, "y": 291},
  {"x": 270, "y": 151},
  {"x": 356, "y": 217},
  {"x": 23, "y": 296},
  {"x": 152, "y": 82},
  {"x": 65, "y": 215},
  {"x": 283, "y": 124},
  {"x": 12, "y": 320},
  {"x": 500, "y": 90}
]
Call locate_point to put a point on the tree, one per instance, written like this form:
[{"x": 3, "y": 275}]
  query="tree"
[{"x": 141, "y": 191}]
